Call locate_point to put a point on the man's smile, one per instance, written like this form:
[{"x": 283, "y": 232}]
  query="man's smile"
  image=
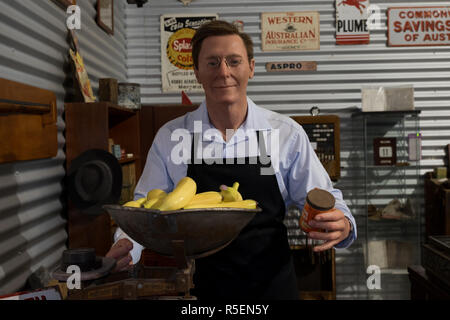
[{"x": 225, "y": 86}]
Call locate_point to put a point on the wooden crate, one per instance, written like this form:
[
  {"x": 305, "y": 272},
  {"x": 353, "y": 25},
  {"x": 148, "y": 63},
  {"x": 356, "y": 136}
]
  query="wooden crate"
[{"x": 437, "y": 206}]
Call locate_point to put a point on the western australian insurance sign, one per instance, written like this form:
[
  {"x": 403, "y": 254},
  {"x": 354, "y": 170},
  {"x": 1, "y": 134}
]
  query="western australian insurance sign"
[{"x": 286, "y": 31}]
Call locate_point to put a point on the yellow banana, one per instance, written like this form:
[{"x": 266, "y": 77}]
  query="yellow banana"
[
  {"x": 134, "y": 204},
  {"x": 209, "y": 197},
  {"x": 243, "y": 204},
  {"x": 141, "y": 200},
  {"x": 230, "y": 193},
  {"x": 150, "y": 203},
  {"x": 180, "y": 196},
  {"x": 153, "y": 196},
  {"x": 155, "y": 193}
]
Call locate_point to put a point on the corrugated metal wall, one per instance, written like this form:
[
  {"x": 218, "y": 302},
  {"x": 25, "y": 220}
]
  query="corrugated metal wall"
[
  {"x": 34, "y": 51},
  {"x": 335, "y": 88}
]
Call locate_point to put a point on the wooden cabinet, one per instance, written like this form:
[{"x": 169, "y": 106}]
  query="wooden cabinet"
[{"x": 89, "y": 126}]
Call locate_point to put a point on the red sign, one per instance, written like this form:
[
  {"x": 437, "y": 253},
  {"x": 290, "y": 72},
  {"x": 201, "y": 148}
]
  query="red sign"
[
  {"x": 51, "y": 293},
  {"x": 418, "y": 26}
]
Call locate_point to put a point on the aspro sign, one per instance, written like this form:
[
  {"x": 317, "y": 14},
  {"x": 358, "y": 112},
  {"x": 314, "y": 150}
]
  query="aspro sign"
[{"x": 418, "y": 26}]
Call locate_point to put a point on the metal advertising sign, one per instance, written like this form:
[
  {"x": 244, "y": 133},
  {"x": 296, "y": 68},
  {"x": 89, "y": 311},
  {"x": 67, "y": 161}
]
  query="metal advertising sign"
[
  {"x": 50, "y": 293},
  {"x": 291, "y": 66},
  {"x": 290, "y": 31},
  {"x": 418, "y": 26},
  {"x": 351, "y": 22},
  {"x": 177, "y": 65}
]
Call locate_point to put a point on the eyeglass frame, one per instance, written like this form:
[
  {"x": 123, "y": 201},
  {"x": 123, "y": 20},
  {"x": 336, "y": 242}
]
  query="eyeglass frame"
[{"x": 219, "y": 60}]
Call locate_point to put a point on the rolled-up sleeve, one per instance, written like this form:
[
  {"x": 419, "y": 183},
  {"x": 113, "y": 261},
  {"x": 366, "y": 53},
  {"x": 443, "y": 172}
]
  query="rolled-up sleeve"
[{"x": 305, "y": 173}]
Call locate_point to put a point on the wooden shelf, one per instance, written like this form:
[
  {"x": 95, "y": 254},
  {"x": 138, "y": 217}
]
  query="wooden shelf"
[
  {"x": 128, "y": 160},
  {"x": 118, "y": 114},
  {"x": 90, "y": 126}
]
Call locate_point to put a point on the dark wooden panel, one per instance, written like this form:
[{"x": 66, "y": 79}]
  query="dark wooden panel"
[
  {"x": 126, "y": 133},
  {"x": 424, "y": 288},
  {"x": 153, "y": 117},
  {"x": 330, "y": 160},
  {"x": 316, "y": 274},
  {"x": 88, "y": 126},
  {"x": 164, "y": 113},
  {"x": 437, "y": 206}
]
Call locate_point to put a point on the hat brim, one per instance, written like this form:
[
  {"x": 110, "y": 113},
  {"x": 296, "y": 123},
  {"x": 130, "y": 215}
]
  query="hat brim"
[
  {"x": 107, "y": 265},
  {"x": 94, "y": 206}
]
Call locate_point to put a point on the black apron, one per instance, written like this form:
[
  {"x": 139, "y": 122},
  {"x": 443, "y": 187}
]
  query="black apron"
[{"x": 258, "y": 263}]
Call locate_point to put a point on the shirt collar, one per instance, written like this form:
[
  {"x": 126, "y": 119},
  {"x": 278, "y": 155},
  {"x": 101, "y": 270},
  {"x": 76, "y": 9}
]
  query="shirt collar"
[{"x": 255, "y": 121}]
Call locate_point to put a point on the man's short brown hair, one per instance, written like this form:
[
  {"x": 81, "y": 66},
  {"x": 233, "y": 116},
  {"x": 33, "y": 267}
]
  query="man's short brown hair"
[{"x": 218, "y": 28}]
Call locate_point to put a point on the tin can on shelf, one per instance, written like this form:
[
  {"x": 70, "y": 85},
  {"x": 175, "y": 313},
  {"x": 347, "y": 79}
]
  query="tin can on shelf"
[
  {"x": 129, "y": 95},
  {"x": 317, "y": 201}
]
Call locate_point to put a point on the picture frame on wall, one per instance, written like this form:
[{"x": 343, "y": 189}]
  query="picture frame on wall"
[
  {"x": 105, "y": 15},
  {"x": 65, "y": 3}
]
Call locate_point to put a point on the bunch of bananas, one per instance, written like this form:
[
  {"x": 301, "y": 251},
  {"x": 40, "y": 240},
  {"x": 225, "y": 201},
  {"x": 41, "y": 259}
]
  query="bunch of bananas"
[{"x": 184, "y": 196}]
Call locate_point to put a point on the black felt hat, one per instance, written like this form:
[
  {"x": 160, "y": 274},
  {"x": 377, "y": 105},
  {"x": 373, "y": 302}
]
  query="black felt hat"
[{"x": 94, "y": 179}]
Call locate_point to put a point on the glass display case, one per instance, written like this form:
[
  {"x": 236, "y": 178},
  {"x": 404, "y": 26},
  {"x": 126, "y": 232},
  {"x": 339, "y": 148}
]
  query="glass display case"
[{"x": 387, "y": 198}]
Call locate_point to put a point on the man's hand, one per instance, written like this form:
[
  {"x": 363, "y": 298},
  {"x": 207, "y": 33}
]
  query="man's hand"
[
  {"x": 337, "y": 228},
  {"x": 121, "y": 252}
]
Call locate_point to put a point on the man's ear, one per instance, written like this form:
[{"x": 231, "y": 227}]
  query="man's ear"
[{"x": 252, "y": 68}]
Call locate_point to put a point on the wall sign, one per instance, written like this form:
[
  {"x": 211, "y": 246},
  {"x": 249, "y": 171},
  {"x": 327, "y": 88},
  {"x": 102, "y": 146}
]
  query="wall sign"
[
  {"x": 290, "y": 31},
  {"x": 351, "y": 22},
  {"x": 50, "y": 293},
  {"x": 418, "y": 26},
  {"x": 324, "y": 134},
  {"x": 385, "y": 151},
  {"x": 177, "y": 65},
  {"x": 291, "y": 66}
]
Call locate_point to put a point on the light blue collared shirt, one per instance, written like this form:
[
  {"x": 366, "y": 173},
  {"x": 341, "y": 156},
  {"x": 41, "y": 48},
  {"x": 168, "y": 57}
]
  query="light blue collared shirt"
[{"x": 294, "y": 162}]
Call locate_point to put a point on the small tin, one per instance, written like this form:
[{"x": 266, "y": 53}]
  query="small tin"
[
  {"x": 317, "y": 201},
  {"x": 129, "y": 95}
]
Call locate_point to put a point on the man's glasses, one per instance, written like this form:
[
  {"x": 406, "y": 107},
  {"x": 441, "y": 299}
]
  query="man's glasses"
[{"x": 231, "y": 62}]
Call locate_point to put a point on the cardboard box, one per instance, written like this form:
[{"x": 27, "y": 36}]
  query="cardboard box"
[{"x": 378, "y": 98}]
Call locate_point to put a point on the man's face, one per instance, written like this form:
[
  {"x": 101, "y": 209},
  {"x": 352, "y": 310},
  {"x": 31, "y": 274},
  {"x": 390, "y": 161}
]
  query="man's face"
[{"x": 224, "y": 83}]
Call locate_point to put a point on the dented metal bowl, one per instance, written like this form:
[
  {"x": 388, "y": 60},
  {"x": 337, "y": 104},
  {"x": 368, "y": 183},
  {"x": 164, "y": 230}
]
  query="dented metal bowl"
[{"x": 204, "y": 231}]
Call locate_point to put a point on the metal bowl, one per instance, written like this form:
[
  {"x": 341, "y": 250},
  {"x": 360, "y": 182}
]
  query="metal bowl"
[{"x": 204, "y": 231}]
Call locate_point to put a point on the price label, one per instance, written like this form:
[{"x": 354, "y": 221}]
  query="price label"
[{"x": 385, "y": 152}]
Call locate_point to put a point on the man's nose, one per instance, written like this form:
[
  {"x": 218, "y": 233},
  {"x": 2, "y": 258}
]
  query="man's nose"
[{"x": 223, "y": 68}]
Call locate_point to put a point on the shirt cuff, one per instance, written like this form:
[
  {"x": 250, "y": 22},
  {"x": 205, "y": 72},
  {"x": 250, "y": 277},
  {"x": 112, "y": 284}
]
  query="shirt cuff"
[
  {"x": 137, "y": 248},
  {"x": 350, "y": 238}
]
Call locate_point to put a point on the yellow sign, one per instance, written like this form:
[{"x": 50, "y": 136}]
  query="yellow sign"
[
  {"x": 177, "y": 64},
  {"x": 179, "y": 50},
  {"x": 82, "y": 77}
]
